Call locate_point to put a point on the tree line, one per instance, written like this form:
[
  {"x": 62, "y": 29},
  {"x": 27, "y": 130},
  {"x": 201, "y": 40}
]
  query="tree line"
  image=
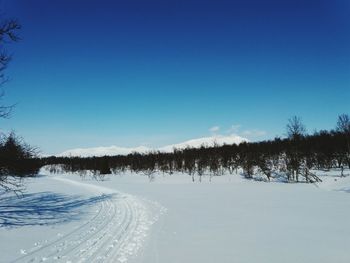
[{"x": 292, "y": 158}]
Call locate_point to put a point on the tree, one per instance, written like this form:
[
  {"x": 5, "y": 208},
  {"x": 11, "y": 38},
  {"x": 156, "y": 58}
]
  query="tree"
[
  {"x": 16, "y": 157},
  {"x": 296, "y": 132},
  {"x": 17, "y": 160},
  {"x": 343, "y": 123},
  {"x": 8, "y": 33},
  {"x": 104, "y": 166},
  {"x": 343, "y": 126},
  {"x": 295, "y": 128}
]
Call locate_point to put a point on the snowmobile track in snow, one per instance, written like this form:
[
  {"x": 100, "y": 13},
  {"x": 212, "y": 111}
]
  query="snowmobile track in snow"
[{"x": 113, "y": 234}]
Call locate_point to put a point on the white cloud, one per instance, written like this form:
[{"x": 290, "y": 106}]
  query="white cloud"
[
  {"x": 214, "y": 129},
  {"x": 234, "y": 128},
  {"x": 253, "y": 133}
]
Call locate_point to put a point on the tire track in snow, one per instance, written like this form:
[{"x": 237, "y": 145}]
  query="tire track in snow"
[
  {"x": 39, "y": 247},
  {"x": 103, "y": 241},
  {"x": 114, "y": 234},
  {"x": 71, "y": 246}
]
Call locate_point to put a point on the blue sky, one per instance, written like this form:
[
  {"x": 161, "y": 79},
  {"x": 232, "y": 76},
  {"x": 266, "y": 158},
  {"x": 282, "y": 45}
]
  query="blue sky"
[{"x": 91, "y": 73}]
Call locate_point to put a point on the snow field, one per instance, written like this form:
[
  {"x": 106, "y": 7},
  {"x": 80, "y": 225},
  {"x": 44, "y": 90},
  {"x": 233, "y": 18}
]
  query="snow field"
[
  {"x": 115, "y": 232},
  {"x": 230, "y": 219}
]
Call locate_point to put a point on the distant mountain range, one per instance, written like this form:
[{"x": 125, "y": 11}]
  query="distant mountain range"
[{"x": 116, "y": 150}]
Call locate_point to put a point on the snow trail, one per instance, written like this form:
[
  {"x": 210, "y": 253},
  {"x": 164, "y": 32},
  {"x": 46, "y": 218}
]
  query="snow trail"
[{"x": 115, "y": 233}]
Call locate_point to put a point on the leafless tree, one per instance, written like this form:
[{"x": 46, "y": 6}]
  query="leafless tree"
[
  {"x": 150, "y": 173},
  {"x": 343, "y": 123},
  {"x": 17, "y": 160},
  {"x": 343, "y": 126},
  {"x": 295, "y": 128},
  {"x": 296, "y": 132},
  {"x": 8, "y": 33}
]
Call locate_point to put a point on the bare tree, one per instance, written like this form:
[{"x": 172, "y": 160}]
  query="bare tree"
[
  {"x": 296, "y": 132},
  {"x": 8, "y": 33},
  {"x": 343, "y": 126},
  {"x": 17, "y": 160},
  {"x": 343, "y": 123},
  {"x": 150, "y": 173},
  {"x": 295, "y": 128}
]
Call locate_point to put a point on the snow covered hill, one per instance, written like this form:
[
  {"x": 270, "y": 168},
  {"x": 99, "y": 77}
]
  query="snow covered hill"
[
  {"x": 205, "y": 141},
  {"x": 102, "y": 151},
  {"x": 115, "y": 150}
]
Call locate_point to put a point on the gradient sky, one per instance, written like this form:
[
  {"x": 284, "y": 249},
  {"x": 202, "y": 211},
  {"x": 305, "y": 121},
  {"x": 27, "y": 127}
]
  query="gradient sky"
[{"x": 130, "y": 72}]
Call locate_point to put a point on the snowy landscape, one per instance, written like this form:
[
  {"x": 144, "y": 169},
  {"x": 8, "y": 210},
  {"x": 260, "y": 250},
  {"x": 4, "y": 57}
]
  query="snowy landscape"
[
  {"x": 125, "y": 218},
  {"x": 177, "y": 131}
]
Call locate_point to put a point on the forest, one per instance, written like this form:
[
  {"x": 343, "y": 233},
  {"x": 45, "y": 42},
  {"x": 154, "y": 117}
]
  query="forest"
[{"x": 292, "y": 158}]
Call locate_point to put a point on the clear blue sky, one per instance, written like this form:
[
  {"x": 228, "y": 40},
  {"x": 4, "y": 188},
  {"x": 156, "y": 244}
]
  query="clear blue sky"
[{"x": 91, "y": 73}]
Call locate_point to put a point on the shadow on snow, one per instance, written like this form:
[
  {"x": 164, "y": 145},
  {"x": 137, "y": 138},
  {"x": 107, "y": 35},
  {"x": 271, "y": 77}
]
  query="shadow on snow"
[{"x": 45, "y": 208}]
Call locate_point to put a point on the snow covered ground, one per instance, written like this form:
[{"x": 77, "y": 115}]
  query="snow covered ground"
[
  {"x": 64, "y": 220},
  {"x": 125, "y": 218}
]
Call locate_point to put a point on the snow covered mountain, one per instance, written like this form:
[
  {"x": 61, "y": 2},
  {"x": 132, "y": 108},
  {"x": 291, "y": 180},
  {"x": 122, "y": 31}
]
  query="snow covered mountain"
[
  {"x": 115, "y": 150},
  {"x": 102, "y": 151},
  {"x": 206, "y": 141}
]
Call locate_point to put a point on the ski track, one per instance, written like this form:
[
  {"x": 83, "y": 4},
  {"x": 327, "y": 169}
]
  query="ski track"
[{"x": 115, "y": 233}]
